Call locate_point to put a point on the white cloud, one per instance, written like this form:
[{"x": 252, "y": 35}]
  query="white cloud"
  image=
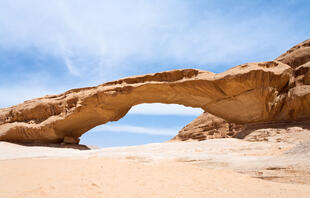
[
  {"x": 135, "y": 129},
  {"x": 70, "y": 67},
  {"x": 103, "y": 38},
  {"x": 165, "y": 109}
]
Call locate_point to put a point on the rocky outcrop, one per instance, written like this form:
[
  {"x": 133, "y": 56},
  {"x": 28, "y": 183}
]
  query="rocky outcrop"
[
  {"x": 250, "y": 93},
  {"x": 208, "y": 126},
  {"x": 297, "y": 55}
]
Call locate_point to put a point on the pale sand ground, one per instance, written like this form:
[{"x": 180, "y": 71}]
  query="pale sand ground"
[
  {"x": 103, "y": 177},
  {"x": 179, "y": 169}
]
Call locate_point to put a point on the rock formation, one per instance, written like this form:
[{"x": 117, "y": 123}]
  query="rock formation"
[
  {"x": 208, "y": 126},
  {"x": 272, "y": 91},
  {"x": 297, "y": 55}
]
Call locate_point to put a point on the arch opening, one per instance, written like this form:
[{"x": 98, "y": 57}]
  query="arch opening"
[{"x": 143, "y": 124}]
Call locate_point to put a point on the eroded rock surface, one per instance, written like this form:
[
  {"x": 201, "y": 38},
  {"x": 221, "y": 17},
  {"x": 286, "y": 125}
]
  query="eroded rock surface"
[
  {"x": 208, "y": 126},
  {"x": 297, "y": 55},
  {"x": 269, "y": 91}
]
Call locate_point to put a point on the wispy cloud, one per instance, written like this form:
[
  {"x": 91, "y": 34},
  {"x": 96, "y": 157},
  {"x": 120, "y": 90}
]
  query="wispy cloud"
[
  {"x": 135, "y": 129},
  {"x": 107, "y": 38},
  {"x": 70, "y": 66},
  {"x": 165, "y": 109},
  {"x": 104, "y": 40}
]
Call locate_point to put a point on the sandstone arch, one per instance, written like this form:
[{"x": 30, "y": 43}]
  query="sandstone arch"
[{"x": 249, "y": 93}]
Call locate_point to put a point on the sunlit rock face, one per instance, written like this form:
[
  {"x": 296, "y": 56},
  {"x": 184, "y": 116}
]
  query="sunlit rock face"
[{"x": 269, "y": 91}]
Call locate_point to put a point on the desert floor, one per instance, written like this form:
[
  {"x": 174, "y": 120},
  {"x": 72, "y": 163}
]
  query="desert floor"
[{"x": 211, "y": 168}]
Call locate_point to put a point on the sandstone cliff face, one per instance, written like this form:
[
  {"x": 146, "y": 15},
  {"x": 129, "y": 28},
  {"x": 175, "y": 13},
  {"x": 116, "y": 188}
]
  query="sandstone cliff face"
[{"x": 250, "y": 93}]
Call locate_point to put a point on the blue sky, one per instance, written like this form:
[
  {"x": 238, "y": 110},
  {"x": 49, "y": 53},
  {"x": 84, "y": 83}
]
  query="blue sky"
[{"x": 47, "y": 47}]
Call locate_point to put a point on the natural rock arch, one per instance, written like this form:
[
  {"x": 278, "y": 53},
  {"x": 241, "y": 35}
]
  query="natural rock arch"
[{"x": 249, "y": 93}]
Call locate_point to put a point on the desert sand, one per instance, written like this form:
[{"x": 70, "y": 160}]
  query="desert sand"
[
  {"x": 103, "y": 177},
  {"x": 211, "y": 168}
]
